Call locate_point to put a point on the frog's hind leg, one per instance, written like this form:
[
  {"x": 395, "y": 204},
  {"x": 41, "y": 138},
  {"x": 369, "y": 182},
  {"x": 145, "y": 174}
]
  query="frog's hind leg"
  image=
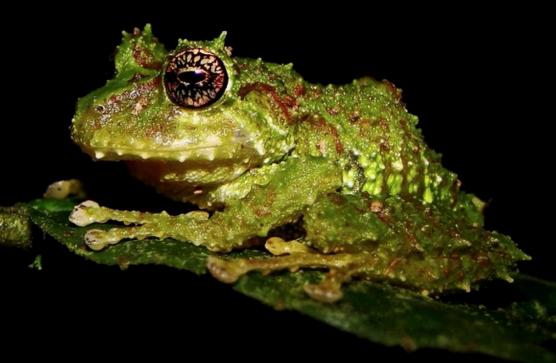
[
  {"x": 292, "y": 256},
  {"x": 341, "y": 268},
  {"x": 330, "y": 288}
]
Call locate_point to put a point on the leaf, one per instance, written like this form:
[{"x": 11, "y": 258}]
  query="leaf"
[{"x": 378, "y": 312}]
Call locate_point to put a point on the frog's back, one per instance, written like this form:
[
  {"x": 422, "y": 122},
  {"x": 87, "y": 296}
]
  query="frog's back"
[
  {"x": 366, "y": 127},
  {"x": 363, "y": 125}
]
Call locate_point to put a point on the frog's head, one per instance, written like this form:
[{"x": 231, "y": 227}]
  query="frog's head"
[{"x": 185, "y": 106}]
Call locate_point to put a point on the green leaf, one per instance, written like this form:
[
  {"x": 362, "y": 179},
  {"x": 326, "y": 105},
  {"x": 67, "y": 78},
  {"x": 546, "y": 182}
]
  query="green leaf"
[{"x": 378, "y": 312}]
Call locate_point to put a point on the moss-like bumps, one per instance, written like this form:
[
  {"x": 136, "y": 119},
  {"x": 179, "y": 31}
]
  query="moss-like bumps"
[{"x": 346, "y": 161}]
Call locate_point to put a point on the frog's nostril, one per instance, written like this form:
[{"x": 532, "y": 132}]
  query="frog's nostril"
[{"x": 195, "y": 76}]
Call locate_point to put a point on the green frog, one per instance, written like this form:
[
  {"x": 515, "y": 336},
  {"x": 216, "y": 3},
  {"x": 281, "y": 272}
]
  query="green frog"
[{"x": 261, "y": 151}]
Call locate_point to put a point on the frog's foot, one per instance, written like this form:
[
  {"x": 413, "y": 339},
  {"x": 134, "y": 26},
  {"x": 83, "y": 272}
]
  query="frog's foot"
[
  {"x": 145, "y": 225},
  {"x": 64, "y": 188},
  {"x": 341, "y": 266}
]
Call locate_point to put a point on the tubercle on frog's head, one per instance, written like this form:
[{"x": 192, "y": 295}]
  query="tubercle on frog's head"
[{"x": 135, "y": 116}]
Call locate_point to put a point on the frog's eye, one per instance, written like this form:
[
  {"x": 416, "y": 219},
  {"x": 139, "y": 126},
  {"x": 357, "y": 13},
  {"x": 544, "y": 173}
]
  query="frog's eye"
[{"x": 195, "y": 78}]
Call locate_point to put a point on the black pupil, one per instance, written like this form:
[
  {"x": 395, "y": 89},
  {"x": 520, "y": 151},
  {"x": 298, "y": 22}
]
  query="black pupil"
[{"x": 193, "y": 76}]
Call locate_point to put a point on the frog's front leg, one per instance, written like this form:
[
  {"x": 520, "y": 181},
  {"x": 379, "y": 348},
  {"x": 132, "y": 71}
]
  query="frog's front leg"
[{"x": 293, "y": 185}]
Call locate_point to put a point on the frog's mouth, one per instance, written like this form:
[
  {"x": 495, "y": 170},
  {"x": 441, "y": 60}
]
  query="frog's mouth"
[
  {"x": 112, "y": 142},
  {"x": 208, "y": 153},
  {"x": 210, "y": 150}
]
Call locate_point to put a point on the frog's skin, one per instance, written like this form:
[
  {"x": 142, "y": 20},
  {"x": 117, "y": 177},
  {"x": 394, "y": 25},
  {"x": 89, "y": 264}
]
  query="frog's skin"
[{"x": 346, "y": 162}]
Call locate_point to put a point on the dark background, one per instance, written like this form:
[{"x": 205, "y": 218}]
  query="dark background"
[{"x": 479, "y": 79}]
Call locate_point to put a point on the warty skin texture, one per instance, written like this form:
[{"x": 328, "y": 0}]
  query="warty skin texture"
[{"x": 347, "y": 163}]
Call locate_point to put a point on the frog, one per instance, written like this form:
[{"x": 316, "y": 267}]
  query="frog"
[{"x": 336, "y": 178}]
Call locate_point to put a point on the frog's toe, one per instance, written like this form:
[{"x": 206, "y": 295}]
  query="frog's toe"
[
  {"x": 64, "y": 188},
  {"x": 81, "y": 215},
  {"x": 96, "y": 239},
  {"x": 277, "y": 246},
  {"x": 227, "y": 271},
  {"x": 324, "y": 292}
]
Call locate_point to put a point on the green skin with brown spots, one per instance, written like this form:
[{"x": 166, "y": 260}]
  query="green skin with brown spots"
[{"x": 346, "y": 162}]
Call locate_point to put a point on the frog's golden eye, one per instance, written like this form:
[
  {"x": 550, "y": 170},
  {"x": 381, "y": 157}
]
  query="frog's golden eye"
[{"x": 195, "y": 78}]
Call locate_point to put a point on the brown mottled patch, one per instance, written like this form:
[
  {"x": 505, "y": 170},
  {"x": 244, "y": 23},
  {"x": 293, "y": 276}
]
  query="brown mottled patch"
[
  {"x": 299, "y": 90},
  {"x": 354, "y": 116},
  {"x": 363, "y": 126},
  {"x": 262, "y": 211},
  {"x": 396, "y": 92},
  {"x": 383, "y": 124},
  {"x": 392, "y": 266},
  {"x": 150, "y": 85},
  {"x": 385, "y": 215},
  {"x": 482, "y": 260},
  {"x": 336, "y": 199},
  {"x": 410, "y": 237},
  {"x": 137, "y": 77},
  {"x": 333, "y": 111},
  {"x": 156, "y": 129},
  {"x": 376, "y": 206},
  {"x": 139, "y": 89},
  {"x": 238, "y": 68},
  {"x": 115, "y": 100},
  {"x": 321, "y": 125},
  {"x": 266, "y": 209},
  {"x": 284, "y": 103},
  {"x": 384, "y": 145},
  {"x": 315, "y": 91},
  {"x": 144, "y": 58}
]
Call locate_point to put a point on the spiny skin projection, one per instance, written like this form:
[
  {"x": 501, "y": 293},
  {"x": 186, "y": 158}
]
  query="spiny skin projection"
[{"x": 261, "y": 148}]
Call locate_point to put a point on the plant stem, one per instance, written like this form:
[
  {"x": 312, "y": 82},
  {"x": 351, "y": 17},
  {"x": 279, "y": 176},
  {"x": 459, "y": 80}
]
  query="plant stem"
[{"x": 15, "y": 227}]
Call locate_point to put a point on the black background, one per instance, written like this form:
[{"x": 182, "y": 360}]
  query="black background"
[{"x": 479, "y": 79}]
